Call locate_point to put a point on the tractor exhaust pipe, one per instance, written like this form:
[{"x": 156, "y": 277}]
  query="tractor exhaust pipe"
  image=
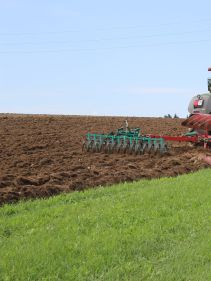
[{"x": 209, "y": 81}]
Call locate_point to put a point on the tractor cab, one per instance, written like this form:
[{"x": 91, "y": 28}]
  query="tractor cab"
[{"x": 201, "y": 103}]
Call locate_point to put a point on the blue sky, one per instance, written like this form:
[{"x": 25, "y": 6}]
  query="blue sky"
[{"x": 129, "y": 58}]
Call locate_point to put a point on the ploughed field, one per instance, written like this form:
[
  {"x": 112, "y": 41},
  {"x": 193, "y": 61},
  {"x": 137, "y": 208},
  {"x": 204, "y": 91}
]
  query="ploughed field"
[{"x": 40, "y": 155}]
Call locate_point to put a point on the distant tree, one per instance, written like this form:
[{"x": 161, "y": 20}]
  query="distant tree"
[
  {"x": 168, "y": 116},
  {"x": 176, "y": 116}
]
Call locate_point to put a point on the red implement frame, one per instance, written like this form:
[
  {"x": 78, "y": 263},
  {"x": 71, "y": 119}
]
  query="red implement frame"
[
  {"x": 201, "y": 139},
  {"x": 195, "y": 121},
  {"x": 177, "y": 138}
]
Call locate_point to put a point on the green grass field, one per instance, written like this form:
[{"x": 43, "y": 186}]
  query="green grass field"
[{"x": 147, "y": 230}]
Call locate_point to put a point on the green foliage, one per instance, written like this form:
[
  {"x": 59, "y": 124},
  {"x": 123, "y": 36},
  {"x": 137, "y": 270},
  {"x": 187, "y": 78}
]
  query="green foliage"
[
  {"x": 170, "y": 116},
  {"x": 147, "y": 230}
]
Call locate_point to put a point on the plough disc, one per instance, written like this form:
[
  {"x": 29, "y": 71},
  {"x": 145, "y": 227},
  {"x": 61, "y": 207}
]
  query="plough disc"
[{"x": 127, "y": 145}]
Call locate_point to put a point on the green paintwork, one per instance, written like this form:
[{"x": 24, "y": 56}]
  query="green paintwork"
[
  {"x": 129, "y": 140},
  {"x": 190, "y": 134}
]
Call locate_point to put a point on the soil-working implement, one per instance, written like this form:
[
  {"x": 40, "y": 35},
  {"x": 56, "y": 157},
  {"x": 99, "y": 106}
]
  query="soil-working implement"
[{"x": 126, "y": 140}]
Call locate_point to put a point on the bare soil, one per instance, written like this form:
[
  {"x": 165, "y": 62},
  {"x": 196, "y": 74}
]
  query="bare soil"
[{"x": 40, "y": 155}]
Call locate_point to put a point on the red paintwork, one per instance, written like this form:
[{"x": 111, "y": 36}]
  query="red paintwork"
[
  {"x": 177, "y": 138},
  {"x": 198, "y": 121},
  {"x": 195, "y": 103}
]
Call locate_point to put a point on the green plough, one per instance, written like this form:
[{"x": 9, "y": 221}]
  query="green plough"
[{"x": 124, "y": 141}]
